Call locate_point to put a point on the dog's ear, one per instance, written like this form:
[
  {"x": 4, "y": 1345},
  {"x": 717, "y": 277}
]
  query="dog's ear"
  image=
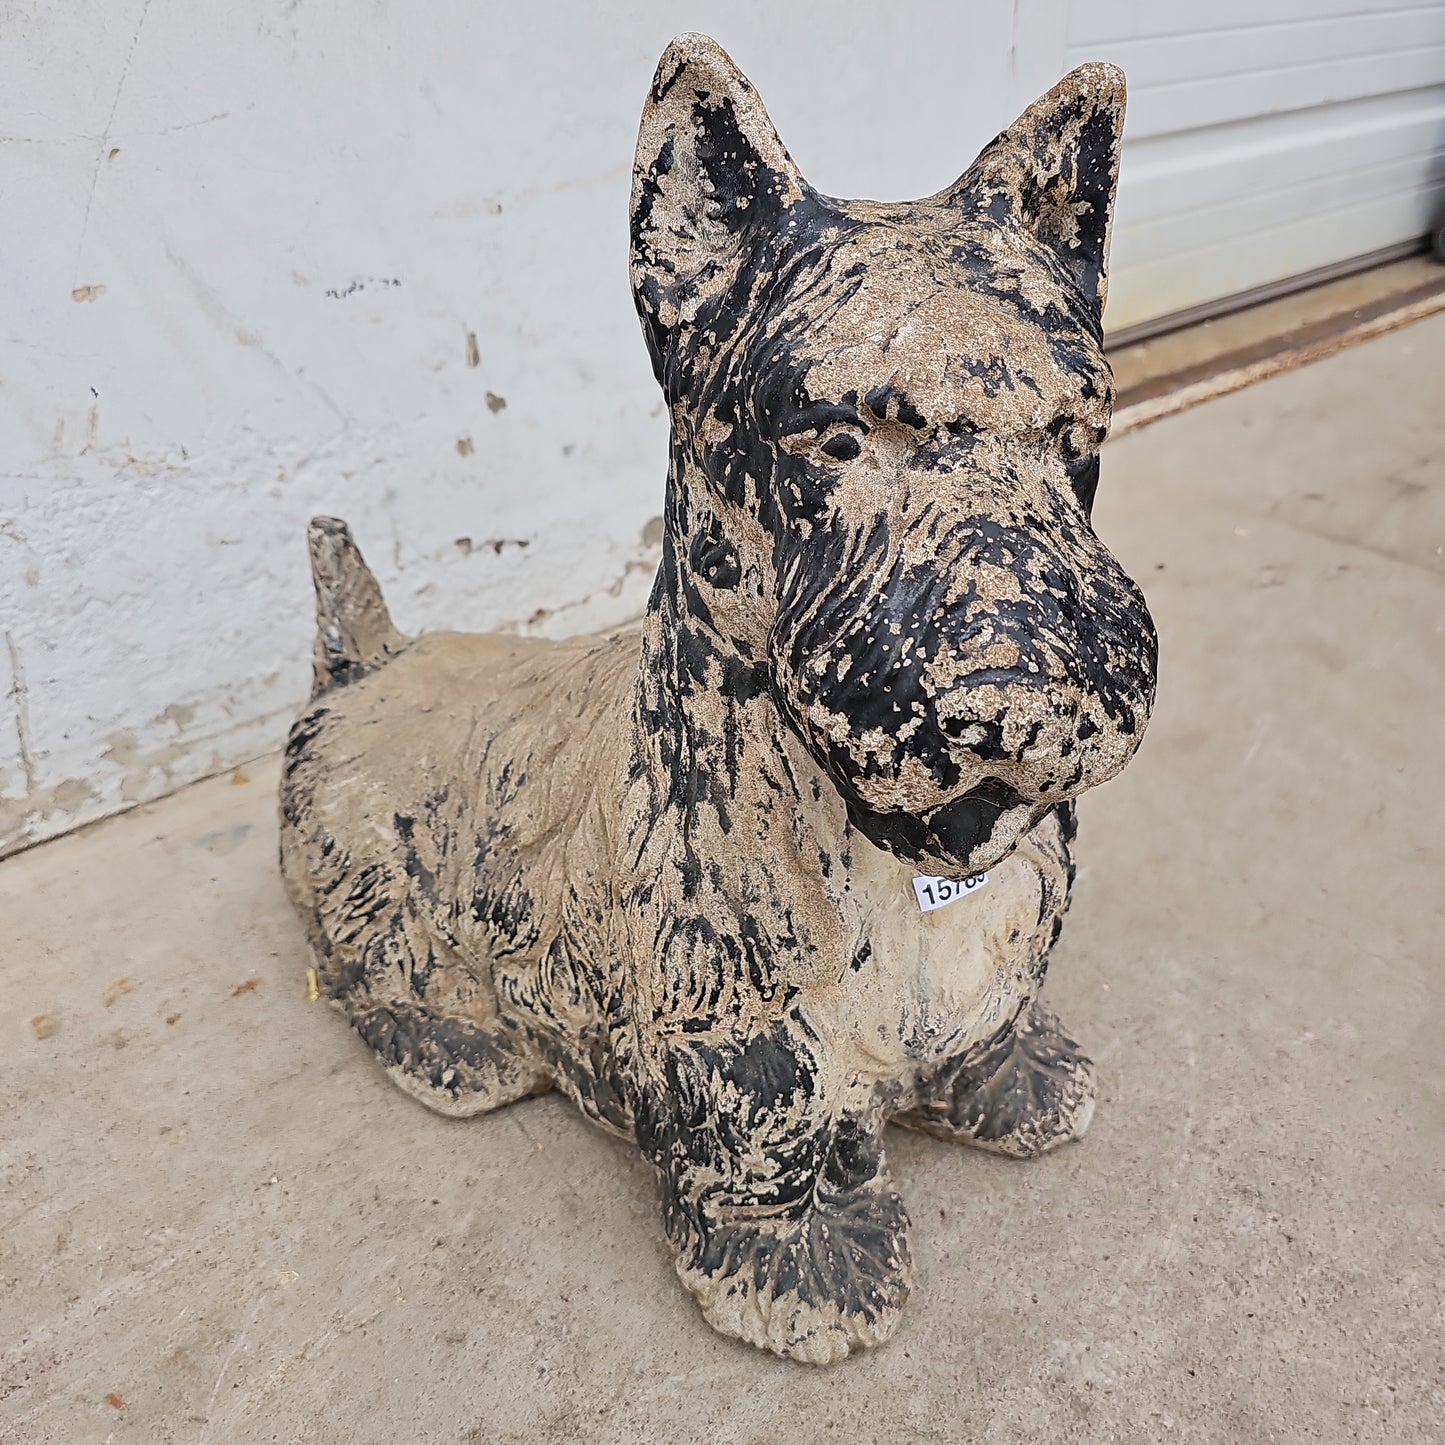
[
  {"x": 710, "y": 172},
  {"x": 1054, "y": 172}
]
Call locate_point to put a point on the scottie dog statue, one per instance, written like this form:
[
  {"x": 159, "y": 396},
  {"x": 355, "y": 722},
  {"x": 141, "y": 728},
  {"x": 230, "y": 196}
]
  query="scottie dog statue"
[{"x": 786, "y": 863}]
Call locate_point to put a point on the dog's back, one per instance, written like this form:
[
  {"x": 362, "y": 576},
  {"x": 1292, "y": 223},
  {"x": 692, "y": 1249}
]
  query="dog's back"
[{"x": 441, "y": 823}]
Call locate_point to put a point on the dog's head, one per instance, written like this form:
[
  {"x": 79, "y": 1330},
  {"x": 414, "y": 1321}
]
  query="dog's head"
[{"x": 886, "y": 425}]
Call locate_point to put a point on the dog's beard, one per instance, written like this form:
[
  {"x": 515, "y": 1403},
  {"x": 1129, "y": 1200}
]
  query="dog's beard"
[
  {"x": 968, "y": 834},
  {"x": 956, "y": 684}
]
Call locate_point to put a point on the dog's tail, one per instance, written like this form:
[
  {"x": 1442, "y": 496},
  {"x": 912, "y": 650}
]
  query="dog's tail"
[{"x": 354, "y": 630}]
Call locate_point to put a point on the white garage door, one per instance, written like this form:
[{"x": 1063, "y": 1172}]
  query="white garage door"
[{"x": 1266, "y": 139}]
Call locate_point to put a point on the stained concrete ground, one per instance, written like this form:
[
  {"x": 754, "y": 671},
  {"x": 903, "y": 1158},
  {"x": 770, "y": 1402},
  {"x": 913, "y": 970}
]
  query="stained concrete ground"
[{"x": 222, "y": 1224}]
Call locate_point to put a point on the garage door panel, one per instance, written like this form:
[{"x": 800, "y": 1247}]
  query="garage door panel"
[
  {"x": 1105, "y": 22},
  {"x": 1195, "y": 105},
  {"x": 1265, "y": 139},
  {"x": 1171, "y": 173},
  {"x": 1204, "y": 56},
  {"x": 1210, "y": 226},
  {"x": 1141, "y": 291}
]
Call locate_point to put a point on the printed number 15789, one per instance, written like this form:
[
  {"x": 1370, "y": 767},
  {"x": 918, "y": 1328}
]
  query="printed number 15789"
[{"x": 939, "y": 892}]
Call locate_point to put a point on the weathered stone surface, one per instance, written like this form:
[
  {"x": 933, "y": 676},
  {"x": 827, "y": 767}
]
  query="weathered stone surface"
[{"x": 671, "y": 874}]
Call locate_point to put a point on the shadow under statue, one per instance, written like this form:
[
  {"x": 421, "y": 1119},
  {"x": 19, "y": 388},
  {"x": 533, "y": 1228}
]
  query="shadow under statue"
[{"x": 787, "y": 863}]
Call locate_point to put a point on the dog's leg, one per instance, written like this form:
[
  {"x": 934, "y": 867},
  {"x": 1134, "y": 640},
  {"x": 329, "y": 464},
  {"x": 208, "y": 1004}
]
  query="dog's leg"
[
  {"x": 450, "y": 1063},
  {"x": 432, "y": 1023},
  {"x": 1027, "y": 1091},
  {"x": 788, "y": 1230}
]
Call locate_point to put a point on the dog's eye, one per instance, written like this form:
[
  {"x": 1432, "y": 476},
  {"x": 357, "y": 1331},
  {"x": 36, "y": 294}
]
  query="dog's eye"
[
  {"x": 839, "y": 440},
  {"x": 1078, "y": 441},
  {"x": 716, "y": 560}
]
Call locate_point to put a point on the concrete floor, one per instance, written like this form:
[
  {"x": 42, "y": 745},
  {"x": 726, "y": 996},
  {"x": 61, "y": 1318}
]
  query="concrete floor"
[{"x": 220, "y": 1223}]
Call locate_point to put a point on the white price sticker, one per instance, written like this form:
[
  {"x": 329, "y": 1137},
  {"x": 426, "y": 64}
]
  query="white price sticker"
[{"x": 940, "y": 892}]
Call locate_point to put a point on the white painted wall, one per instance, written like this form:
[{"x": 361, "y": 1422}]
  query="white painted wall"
[
  {"x": 244, "y": 246},
  {"x": 1266, "y": 139}
]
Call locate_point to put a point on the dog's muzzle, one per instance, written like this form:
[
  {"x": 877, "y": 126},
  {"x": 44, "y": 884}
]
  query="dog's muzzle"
[
  {"x": 969, "y": 834},
  {"x": 955, "y": 703}
]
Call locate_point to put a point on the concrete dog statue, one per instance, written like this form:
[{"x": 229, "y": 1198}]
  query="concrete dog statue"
[{"x": 689, "y": 876}]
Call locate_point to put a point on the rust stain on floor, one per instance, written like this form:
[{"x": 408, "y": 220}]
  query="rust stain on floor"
[{"x": 118, "y": 989}]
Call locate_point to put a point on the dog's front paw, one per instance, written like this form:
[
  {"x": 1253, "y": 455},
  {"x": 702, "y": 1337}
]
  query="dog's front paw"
[
  {"x": 817, "y": 1280},
  {"x": 812, "y": 1288},
  {"x": 1039, "y": 1095}
]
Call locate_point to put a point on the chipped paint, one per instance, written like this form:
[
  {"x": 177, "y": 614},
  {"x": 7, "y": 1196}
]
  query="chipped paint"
[{"x": 670, "y": 871}]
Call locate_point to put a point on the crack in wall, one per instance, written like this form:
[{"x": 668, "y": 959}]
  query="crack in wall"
[{"x": 21, "y": 693}]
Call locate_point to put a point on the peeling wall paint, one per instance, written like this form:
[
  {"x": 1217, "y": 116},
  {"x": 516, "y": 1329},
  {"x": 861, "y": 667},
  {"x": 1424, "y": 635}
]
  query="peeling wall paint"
[{"x": 276, "y": 260}]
